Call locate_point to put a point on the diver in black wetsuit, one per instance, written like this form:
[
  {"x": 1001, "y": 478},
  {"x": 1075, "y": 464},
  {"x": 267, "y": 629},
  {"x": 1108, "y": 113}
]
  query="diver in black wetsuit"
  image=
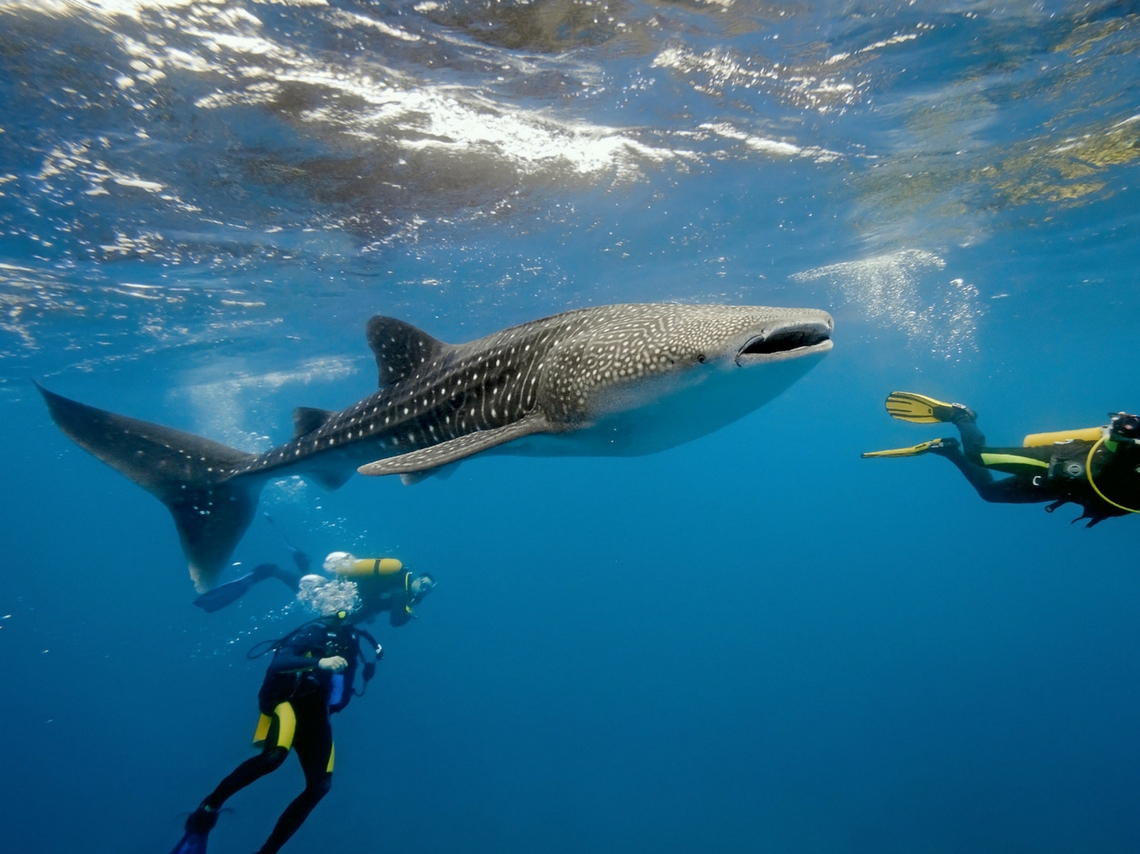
[
  {"x": 310, "y": 677},
  {"x": 384, "y": 583},
  {"x": 1097, "y": 468}
]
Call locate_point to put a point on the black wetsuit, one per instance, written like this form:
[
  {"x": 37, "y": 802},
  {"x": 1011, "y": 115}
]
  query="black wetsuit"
[
  {"x": 297, "y": 697},
  {"x": 391, "y": 593},
  {"x": 1054, "y": 473}
]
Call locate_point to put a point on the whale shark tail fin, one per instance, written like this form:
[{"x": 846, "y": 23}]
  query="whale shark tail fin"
[{"x": 198, "y": 480}]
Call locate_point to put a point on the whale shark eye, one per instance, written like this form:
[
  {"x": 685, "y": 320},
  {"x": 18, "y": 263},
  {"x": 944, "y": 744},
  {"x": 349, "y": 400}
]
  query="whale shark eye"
[{"x": 701, "y": 358}]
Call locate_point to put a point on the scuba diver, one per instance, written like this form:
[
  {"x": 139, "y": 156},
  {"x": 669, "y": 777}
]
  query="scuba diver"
[
  {"x": 384, "y": 583},
  {"x": 1096, "y": 467},
  {"x": 311, "y": 676}
]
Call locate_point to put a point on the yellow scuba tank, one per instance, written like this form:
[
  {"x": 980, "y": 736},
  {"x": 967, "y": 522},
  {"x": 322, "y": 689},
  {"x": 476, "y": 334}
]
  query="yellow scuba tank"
[
  {"x": 350, "y": 566},
  {"x": 371, "y": 566},
  {"x": 1085, "y": 434}
]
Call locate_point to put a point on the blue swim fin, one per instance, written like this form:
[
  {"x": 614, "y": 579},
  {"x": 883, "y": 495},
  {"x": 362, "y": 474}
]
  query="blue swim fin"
[
  {"x": 231, "y": 591},
  {"x": 192, "y": 843},
  {"x": 198, "y": 827},
  {"x": 224, "y": 594}
]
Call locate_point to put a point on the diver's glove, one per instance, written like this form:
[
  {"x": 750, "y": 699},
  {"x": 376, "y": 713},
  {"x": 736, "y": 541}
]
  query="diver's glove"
[{"x": 335, "y": 663}]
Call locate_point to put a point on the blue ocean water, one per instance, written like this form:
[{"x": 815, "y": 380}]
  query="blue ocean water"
[{"x": 755, "y": 642}]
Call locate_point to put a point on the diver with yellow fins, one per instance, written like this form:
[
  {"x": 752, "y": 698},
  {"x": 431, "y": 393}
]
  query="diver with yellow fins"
[
  {"x": 312, "y": 676},
  {"x": 1095, "y": 467}
]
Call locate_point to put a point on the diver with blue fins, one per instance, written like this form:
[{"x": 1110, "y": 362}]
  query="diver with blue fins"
[
  {"x": 1095, "y": 467},
  {"x": 312, "y": 675},
  {"x": 384, "y": 583}
]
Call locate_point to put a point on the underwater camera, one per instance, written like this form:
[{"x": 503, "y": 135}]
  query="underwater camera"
[{"x": 1124, "y": 426}]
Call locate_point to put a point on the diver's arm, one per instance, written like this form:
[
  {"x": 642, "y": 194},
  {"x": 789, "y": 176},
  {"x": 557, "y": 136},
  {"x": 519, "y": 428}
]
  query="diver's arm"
[
  {"x": 400, "y": 612},
  {"x": 288, "y": 662},
  {"x": 300, "y": 663},
  {"x": 297, "y": 656},
  {"x": 402, "y": 605},
  {"x": 309, "y": 650}
]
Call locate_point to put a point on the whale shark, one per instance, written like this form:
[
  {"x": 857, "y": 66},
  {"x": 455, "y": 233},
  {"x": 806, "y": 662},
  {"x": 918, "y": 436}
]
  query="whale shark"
[{"x": 616, "y": 380}]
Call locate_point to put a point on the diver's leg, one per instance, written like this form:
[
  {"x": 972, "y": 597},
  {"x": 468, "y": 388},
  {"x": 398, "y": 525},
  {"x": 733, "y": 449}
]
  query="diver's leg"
[
  {"x": 266, "y": 762},
  {"x": 276, "y": 748},
  {"x": 1019, "y": 488},
  {"x": 314, "y": 746},
  {"x": 973, "y": 440},
  {"x": 1014, "y": 490},
  {"x": 1011, "y": 490},
  {"x": 978, "y": 475},
  {"x": 202, "y": 820},
  {"x": 968, "y": 458}
]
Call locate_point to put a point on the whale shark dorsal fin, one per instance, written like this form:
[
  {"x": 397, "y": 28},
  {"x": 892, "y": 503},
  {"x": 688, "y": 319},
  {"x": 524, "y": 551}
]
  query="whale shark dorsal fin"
[
  {"x": 306, "y": 419},
  {"x": 436, "y": 456},
  {"x": 401, "y": 349}
]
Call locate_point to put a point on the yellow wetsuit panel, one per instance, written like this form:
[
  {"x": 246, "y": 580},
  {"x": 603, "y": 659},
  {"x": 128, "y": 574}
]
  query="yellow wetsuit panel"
[
  {"x": 287, "y": 724},
  {"x": 332, "y": 756},
  {"x": 286, "y": 720},
  {"x": 1011, "y": 460},
  {"x": 262, "y": 731}
]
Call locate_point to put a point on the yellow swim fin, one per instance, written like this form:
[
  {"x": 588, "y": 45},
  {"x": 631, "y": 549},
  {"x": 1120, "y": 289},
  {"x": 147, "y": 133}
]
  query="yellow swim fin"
[
  {"x": 915, "y": 451},
  {"x": 920, "y": 409}
]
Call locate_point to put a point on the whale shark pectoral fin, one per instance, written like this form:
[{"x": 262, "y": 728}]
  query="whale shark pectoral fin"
[
  {"x": 458, "y": 449},
  {"x": 442, "y": 473}
]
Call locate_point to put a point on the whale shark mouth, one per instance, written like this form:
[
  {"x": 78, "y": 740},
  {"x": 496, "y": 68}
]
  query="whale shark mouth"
[{"x": 789, "y": 342}]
